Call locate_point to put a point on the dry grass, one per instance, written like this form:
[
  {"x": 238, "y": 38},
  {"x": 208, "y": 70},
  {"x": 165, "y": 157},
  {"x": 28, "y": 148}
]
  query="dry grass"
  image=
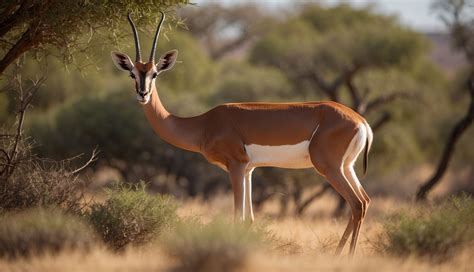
[
  {"x": 153, "y": 259},
  {"x": 298, "y": 245},
  {"x": 97, "y": 260}
]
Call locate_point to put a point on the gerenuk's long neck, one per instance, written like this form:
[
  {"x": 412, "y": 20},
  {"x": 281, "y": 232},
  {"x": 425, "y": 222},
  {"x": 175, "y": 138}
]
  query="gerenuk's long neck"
[{"x": 184, "y": 133}]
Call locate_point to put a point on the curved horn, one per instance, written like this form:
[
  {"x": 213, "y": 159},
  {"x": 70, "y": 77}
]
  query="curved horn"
[
  {"x": 138, "y": 56},
  {"x": 153, "y": 48}
]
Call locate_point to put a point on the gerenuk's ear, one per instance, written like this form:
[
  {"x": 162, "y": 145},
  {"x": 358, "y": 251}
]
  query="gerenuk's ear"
[
  {"x": 167, "y": 61},
  {"x": 122, "y": 61}
]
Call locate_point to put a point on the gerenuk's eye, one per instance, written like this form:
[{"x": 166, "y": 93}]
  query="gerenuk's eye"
[
  {"x": 154, "y": 75},
  {"x": 132, "y": 75}
]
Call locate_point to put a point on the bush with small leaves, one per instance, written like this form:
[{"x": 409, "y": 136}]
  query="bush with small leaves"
[
  {"x": 131, "y": 216},
  {"x": 216, "y": 246},
  {"x": 437, "y": 233},
  {"x": 43, "y": 231}
]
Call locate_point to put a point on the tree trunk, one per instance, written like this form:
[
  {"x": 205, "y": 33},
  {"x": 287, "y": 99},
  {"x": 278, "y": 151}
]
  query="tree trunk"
[
  {"x": 456, "y": 133},
  {"x": 305, "y": 204},
  {"x": 356, "y": 99},
  {"x": 10, "y": 15},
  {"x": 28, "y": 40}
]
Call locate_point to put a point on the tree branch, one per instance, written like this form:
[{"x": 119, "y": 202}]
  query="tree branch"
[
  {"x": 6, "y": 164},
  {"x": 332, "y": 89},
  {"x": 329, "y": 89},
  {"x": 354, "y": 92},
  {"x": 28, "y": 40},
  {"x": 384, "y": 99},
  {"x": 9, "y": 20},
  {"x": 92, "y": 159},
  {"x": 381, "y": 121},
  {"x": 231, "y": 45},
  {"x": 305, "y": 204}
]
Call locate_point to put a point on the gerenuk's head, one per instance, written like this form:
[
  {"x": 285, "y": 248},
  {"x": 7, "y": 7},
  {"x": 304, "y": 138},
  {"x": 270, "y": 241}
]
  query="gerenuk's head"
[{"x": 144, "y": 73}]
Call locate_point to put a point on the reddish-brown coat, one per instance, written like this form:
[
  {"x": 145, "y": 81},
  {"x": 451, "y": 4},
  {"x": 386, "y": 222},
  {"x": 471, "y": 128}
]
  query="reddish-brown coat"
[{"x": 228, "y": 127}]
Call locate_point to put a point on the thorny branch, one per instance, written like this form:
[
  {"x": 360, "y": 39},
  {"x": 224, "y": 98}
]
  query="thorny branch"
[
  {"x": 92, "y": 159},
  {"x": 24, "y": 98},
  {"x": 27, "y": 180},
  {"x": 9, "y": 153}
]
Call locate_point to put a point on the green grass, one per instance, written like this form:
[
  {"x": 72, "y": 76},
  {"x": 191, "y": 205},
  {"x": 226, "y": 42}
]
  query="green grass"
[
  {"x": 131, "y": 216},
  {"x": 437, "y": 232}
]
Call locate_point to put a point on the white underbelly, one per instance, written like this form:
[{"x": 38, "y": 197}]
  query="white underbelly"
[{"x": 284, "y": 156}]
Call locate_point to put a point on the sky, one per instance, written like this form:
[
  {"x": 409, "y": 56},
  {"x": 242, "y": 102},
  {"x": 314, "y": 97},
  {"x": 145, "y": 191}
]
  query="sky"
[{"x": 416, "y": 14}]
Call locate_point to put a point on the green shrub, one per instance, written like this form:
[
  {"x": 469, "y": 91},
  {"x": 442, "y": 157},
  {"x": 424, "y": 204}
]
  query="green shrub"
[
  {"x": 217, "y": 246},
  {"x": 436, "y": 233},
  {"x": 39, "y": 231},
  {"x": 131, "y": 216}
]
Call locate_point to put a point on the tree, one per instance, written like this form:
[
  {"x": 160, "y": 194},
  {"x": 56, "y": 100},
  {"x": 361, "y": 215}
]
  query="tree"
[
  {"x": 456, "y": 15},
  {"x": 40, "y": 25}
]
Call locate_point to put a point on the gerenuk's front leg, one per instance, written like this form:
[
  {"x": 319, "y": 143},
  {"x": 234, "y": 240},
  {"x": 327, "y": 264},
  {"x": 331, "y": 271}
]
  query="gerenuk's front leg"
[
  {"x": 248, "y": 193},
  {"x": 237, "y": 178}
]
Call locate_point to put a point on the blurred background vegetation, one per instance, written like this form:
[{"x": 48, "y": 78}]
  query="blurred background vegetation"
[{"x": 356, "y": 56}]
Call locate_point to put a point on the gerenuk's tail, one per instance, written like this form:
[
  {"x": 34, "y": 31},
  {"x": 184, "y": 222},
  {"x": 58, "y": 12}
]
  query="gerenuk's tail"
[{"x": 368, "y": 144}]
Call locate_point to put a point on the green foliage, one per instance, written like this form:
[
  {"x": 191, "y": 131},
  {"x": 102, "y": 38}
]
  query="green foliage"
[
  {"x": 242, "y": 82},
  {"x": 286, "y": 45},
  {"x": 378, "y": 46},
  {"x": 131, "y": 216},
  {"x": 390, "y": 141},
  {"x": 93, "y": 121},
  {"x": 300, "y": 44},
  {"x": 63, "y": 23},
  {"x": 438, "y": 232},
  {"x": 193, "y": 65},
  {"x": 63, "y": 85},
  {"x": 328, "y": 19},
  {"x": 216, "y": 246},
  {"x": 43, "y": 231}
]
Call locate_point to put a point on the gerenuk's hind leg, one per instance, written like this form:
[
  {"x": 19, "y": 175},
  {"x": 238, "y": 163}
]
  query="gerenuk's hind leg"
[
  {"x": 337, "y": 179},
  {"x": 345, "y": 236},
  {"x": 352, "y": 177},
  {"x": 362, "y": 195},
  {"x": 330, "y": 162},
  {"x": 355, "y": 147}
]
